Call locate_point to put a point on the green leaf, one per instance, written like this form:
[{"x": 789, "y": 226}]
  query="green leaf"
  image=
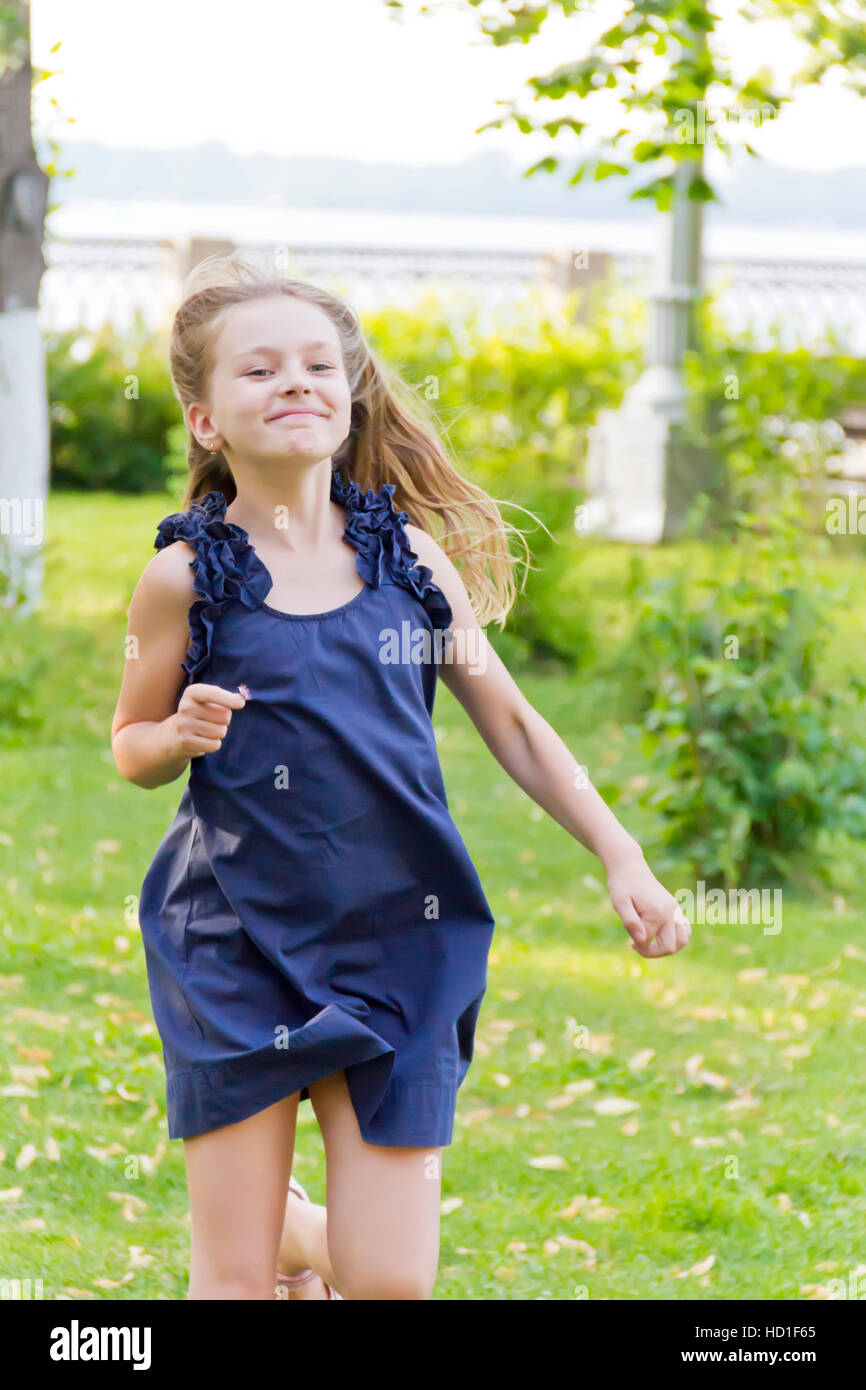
[
  {"x": 548, "y": 165},
  {"x": 647, "y": 149},
  {"x": 701, "y": 192},
  {"x": 604, "y": 169}
]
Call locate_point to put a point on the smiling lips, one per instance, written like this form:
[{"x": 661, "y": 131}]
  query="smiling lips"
[{"x": 290, "y": 414}]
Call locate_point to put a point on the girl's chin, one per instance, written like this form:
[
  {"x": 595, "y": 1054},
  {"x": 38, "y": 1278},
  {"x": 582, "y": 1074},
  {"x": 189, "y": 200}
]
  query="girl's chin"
[{"x": 313, "y": 452}]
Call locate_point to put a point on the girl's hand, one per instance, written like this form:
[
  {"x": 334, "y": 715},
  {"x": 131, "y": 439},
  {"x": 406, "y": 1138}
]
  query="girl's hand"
[
  {"x": 651, "y": 915},
  {"x": 202, "y": 719}
]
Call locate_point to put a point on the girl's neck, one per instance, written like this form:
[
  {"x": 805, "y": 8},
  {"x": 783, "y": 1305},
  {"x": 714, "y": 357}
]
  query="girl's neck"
[{"x": 297, "y": 507}]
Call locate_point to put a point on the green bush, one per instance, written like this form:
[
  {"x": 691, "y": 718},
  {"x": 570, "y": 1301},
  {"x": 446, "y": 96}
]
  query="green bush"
[
  {"x": 726, "y": 663},
  {"x": 771, "y": 417},
  {"x": 751, "y": 768},
  {"x": 24, "y": 671},
  {"x": 112, "y": 411}
]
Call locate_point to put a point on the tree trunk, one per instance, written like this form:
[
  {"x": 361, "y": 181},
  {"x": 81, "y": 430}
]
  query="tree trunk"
[{"x": 24, "y": 448}]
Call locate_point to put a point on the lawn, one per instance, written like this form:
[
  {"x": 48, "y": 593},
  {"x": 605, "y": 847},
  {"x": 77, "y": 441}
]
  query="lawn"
[{"x": 679, "y": 1129}]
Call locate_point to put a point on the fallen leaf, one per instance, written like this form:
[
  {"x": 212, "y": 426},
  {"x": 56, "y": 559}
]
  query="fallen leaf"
[
  {"x": 28, "y": 1073},
  {"x": 615, "y": 1105},
  {"x": 703, "y": 1267},
  {"x": 642, "y": 1059},
  {"x": 138, "y": 1259}
]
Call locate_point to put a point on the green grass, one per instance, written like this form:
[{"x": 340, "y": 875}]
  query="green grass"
[{"x": 746, "y": 1143}]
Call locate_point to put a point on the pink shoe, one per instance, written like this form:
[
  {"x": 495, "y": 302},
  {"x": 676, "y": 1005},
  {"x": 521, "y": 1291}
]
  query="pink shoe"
[{"x": 292, "y": 1281}]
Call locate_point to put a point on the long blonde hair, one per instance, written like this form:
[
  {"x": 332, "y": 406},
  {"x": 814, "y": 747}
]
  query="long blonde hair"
[{"x": 394, "y": 435}]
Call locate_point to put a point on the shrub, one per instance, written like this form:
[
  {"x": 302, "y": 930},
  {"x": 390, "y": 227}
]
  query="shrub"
[{"x": 112, "y": 410}]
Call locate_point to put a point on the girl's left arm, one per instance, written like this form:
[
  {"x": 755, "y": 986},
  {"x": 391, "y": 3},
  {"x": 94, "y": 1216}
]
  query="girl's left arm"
[{"x": 534, "y": 755}]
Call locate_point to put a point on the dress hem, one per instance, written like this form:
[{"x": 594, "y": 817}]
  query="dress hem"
[
  {"x": 391, "y": 1111},
  {"x": 440, "y": 1135}
]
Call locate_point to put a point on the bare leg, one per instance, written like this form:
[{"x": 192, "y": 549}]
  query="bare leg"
[
  {"x": 304, "y": 1245},
  {"x": 382, "y": 1205},
  {"x": 238, "y": 1179}
]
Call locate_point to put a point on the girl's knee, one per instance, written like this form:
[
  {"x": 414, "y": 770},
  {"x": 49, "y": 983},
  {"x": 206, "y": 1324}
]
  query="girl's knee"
[
  {"x": 233, "y": 1287},
  {"x": 385, "y": 1284}
]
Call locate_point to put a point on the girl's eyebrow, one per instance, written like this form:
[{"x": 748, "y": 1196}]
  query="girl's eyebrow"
[{"x": 267, "y": 347}]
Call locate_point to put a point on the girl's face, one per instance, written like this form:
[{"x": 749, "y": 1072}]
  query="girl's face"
[{"x": 273, "y": 356}]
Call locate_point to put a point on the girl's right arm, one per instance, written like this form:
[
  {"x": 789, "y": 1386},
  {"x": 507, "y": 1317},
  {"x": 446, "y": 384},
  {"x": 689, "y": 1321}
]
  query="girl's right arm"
[{"x": 153, "y": 736}]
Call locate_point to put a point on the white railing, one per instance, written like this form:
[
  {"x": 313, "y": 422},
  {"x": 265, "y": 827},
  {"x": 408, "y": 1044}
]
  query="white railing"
[{"x": 88, "y": 282}]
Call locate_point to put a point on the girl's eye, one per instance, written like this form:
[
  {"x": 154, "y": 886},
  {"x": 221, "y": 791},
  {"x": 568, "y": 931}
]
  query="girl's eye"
[{"x": 326, "y": 365}]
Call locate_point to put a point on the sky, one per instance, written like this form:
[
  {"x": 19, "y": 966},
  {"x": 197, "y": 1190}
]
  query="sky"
[{"x": 342, "y": 78}]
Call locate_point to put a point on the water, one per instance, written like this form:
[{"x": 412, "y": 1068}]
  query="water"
[{"x": 251, "y": 223}]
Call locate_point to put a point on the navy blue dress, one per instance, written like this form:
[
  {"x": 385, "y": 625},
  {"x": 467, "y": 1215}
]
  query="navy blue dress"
[{"x": 312, "y": 906}]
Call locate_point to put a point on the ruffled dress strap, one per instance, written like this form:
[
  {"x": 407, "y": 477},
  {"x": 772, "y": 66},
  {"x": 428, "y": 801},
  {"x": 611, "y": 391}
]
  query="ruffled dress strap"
[
  {"x": 225, "y": 568},
  {"x": 378, "y": 533}
]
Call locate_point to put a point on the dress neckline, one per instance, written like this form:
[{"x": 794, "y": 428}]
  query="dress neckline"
[
  {"x": 227, "y": 568},
  {"x": 343, "y": 496}
]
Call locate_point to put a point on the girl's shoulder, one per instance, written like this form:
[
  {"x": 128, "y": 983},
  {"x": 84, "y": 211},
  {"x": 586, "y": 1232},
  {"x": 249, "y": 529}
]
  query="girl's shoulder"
[
  {"x": 171, "y": 574},
  {"x": 168, "y": 575},
  {"x": 166, "y": 589},
  {"x": 218, "y": 555},
  {"x": 195, "y": 525}
]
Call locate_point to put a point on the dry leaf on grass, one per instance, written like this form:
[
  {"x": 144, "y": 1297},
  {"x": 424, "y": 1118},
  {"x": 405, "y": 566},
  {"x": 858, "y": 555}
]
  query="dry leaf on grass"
[
  {"x": 752, "y": 975},
  {"x": 103, "y": 1283},
  {"x": 28, "y": 1073},
  {"x": 615, "y": 1105},
  {"x": 642, "y": 1059},
  {"x": 702, "y": 1267}
]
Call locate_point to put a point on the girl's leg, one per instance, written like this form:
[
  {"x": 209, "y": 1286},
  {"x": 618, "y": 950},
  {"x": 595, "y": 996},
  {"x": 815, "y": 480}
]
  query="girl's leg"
[
  {"x": 382, "y": 1205},
  {"x": 304, "y": 1245},
  {"x": 238, "y": 1179}
]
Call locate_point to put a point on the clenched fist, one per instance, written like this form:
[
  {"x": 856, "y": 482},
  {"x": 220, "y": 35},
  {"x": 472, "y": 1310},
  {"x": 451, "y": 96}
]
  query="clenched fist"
[{"x": 203, "y": 716}]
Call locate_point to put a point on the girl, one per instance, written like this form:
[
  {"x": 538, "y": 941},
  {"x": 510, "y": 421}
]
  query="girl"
[{"x": 313, "y": 925}]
